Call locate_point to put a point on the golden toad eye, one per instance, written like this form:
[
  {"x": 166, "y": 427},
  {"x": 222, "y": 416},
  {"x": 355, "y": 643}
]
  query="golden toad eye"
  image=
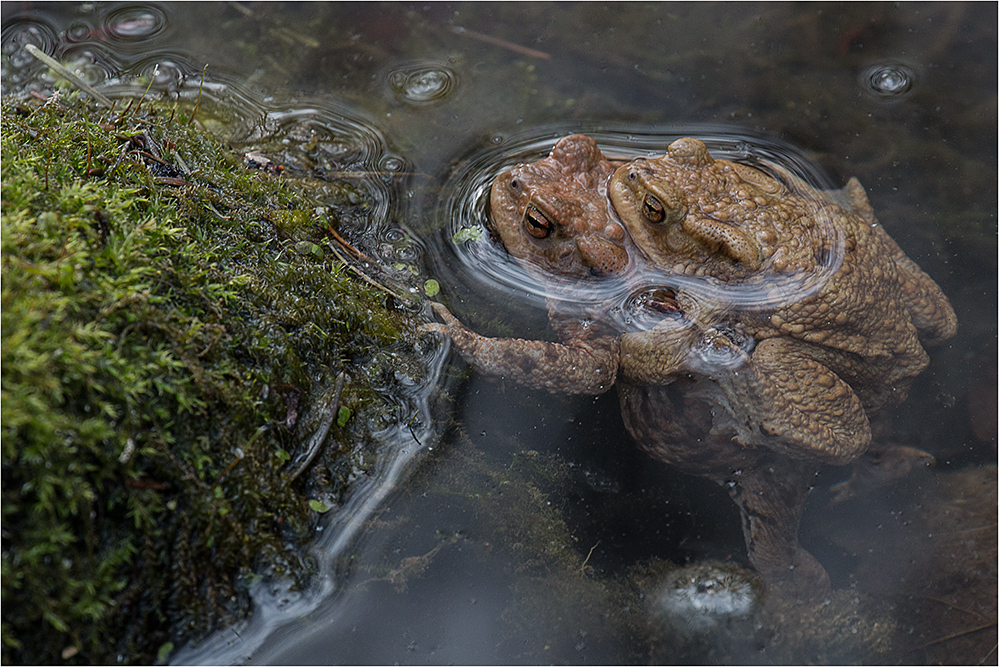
[
  {"x": 653, "y": 209},
  {"x": 536, "y": 223}
]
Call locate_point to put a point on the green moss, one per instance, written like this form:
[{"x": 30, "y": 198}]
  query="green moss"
[{"x": 166, "y": 351}]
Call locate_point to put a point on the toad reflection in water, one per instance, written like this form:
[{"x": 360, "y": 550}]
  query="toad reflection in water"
[{"x": 784, "y": 321}]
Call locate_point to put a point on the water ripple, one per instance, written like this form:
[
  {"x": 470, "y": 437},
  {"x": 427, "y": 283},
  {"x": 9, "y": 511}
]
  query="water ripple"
[
  {"x": 472, "y": 254},
  {"x": 135, "y": 23},
  {"x": 888, "y": 80},
  {"x": 421, "y": 83},
  {"x": 24, "y": 30}
]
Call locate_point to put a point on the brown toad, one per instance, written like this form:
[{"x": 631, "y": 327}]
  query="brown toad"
[
  {"x": 554, "y": 216},
  {"x": 854, "y": 303},
  {"x": 717, "y": 388}
]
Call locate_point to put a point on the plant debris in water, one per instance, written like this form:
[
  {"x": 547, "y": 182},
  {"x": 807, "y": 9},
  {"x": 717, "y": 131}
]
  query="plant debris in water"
[{"x": 172, "y": 328}]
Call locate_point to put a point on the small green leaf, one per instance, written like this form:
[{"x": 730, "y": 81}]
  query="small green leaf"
[
  {"x": 467, "y": 234},
  {"x": 319, "y": 506},
  {"x": 282, "y": 455},
  {"x": 309, "y": 248},
  {"x": 431, "y": 287},
  {"x": 164, "y": 652},
  {"x": 55, "y": 621},
  {"x": 342, "y": 415}
]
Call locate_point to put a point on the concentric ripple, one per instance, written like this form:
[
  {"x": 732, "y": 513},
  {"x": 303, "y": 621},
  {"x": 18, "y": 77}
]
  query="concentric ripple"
[
  {"x": 888, "y": 80},
  {"x": 21, "y": 31},
  {"x": 135, "y": 23},
  {"x": 422, "y": 84}
]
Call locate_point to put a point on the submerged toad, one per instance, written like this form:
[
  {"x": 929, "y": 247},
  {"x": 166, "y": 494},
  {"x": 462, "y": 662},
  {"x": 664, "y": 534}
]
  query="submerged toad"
[{"x": 754, "y": 392}]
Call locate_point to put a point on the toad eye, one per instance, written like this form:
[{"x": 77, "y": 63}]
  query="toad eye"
[
  {"x": 515, "y": 185},
  {"x": 653, "y": 209},
  {"x": 537, "y": 223}
]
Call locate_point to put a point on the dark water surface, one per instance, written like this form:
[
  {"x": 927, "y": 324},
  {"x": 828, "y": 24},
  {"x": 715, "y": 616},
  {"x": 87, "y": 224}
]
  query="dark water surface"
[{"x": 527, "y": 528}]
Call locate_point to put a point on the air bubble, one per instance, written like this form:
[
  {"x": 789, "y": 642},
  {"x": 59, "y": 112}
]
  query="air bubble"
[
  {"x": 21, "y": 32},
  {"x": 421, "y": 84},
  {"x": 135, "y": 23},
  {"x": 392, "y": 163},
  {"x": 889, "y": 80}
]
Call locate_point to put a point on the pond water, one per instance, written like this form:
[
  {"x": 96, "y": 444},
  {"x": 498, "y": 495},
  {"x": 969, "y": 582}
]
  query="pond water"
[{"x": 525, "y": 527}]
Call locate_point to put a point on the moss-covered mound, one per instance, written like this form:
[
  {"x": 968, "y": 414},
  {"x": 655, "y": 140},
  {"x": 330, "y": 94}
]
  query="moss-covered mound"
[{"x": 172, "y": 327}]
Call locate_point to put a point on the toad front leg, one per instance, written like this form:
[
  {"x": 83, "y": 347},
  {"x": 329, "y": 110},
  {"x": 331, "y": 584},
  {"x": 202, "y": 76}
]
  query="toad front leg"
[{"x": 587, "y": 367}]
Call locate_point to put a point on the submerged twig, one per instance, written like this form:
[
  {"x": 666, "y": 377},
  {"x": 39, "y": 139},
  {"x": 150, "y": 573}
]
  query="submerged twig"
[
  {"x": 62, "y": 71},
  {"x": 584, "y": 568},
  {"x": 496, "y": 41},
  {"x": 954, "y": 606},
  {"x": 320, "y": 435},
  {"x": 962, "y": 633},
  {"x": 409, "y": 568}
]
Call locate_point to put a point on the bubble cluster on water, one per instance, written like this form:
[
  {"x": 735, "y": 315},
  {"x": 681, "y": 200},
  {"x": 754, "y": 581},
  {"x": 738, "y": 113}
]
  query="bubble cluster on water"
[
  {"x": 21, "y": 31},
  {"x": 104, "y": 45}
]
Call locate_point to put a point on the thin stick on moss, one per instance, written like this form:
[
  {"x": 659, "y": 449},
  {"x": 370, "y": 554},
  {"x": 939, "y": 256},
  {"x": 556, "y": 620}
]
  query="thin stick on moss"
[
  {"x": 320, "y": 435},
  {"x": 366, "y": 278},
  {"x": 66, "y": 74},
  {"x": 156, "y": 70},
  {"x": 200, "y": 88},
  {"x": 345, "y": 244}
]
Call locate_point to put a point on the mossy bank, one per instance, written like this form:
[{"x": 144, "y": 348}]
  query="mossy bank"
[{"x": 173, "y": 325}]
